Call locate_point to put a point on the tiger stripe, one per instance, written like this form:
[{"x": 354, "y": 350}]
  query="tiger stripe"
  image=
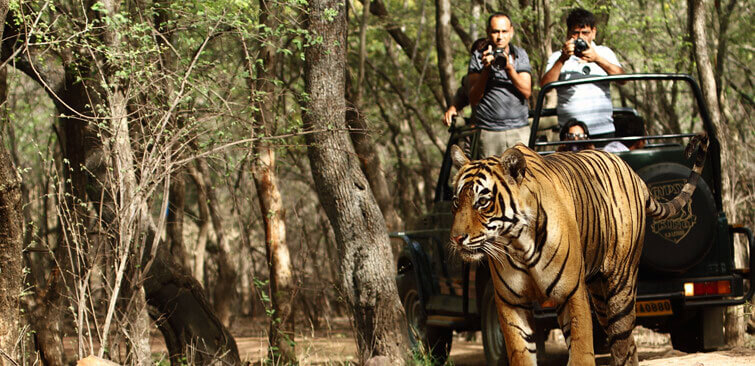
[{"x": 568, "y": 227}]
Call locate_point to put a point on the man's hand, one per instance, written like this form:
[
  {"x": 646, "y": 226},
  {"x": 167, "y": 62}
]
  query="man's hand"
[
  {"x": 567, "y": 50},
  {"x": 487, "y": 57},
  {"x": 589, "y": 55},
  {"x": 448, "y": 117}
]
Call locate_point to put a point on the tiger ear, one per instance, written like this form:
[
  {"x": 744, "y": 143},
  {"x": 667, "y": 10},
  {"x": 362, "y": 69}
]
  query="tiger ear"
[
  {"x": 513, "y": 163},
  {"x": 458, "y": 157}
]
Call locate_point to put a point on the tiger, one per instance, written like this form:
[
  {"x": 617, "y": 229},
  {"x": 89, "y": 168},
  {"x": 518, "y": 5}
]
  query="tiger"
[{"x": 566, "y": 227}]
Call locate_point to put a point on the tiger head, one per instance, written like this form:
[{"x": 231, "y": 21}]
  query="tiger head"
[{"x": 490, "y": 213}]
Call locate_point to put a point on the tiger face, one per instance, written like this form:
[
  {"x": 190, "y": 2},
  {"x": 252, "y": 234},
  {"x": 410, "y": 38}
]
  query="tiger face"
[{"x": 486, "y": 207}]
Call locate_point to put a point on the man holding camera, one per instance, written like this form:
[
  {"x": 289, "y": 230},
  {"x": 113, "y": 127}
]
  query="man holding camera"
[
  {"x": 499, "y": 85},
  {"x": 579, "y": 58}
]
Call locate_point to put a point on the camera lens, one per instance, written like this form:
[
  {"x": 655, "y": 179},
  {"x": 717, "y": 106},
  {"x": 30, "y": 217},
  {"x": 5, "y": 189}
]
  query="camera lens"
[
  {"x": 580, "y": 45},
  {"x": 499, "y": 61}
]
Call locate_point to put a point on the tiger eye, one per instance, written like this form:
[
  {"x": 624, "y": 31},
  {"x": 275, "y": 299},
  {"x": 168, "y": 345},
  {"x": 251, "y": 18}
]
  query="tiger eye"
[{"x": 482, "y": 202}]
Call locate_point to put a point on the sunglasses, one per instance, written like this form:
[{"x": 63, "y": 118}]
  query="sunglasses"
[{"x": 576, "y": 136}]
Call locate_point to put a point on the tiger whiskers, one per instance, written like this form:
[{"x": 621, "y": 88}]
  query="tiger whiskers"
[{"x": 496, "y": 250}]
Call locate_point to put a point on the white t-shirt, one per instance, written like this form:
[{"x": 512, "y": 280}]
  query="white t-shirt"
[
  {"x": 615, "y": 146},
  {"x": 589, "y": 103}
]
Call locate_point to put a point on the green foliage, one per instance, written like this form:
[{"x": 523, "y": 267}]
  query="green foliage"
[{"x": 190, "y": 72}]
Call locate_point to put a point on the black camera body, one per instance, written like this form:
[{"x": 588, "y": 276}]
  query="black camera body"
[
  {"x": 580, "y": 45},
  {"x": 499, "y": 58}
]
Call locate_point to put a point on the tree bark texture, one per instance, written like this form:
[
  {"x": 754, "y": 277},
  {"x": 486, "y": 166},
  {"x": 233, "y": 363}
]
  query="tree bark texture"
[
  {"x": 174, "y": 225},
  {"x": 191, "y": 328},
  {"x": 359, "y": 87},
  {"x": 11, "y": 240},
  {"x": 203, "y": 222},
  {"x": 282, "y": 287},
  {"x": 372, "y": 166},
  {"x": 734, "y": 324},
  {"x": 364, "y": 252},
  {"x": 444, "y": 49},
  {"x": 224, "y": 292}
]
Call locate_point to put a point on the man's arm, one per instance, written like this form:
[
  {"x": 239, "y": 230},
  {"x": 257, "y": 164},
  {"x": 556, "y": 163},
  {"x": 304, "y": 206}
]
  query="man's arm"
[
  {"x": 552, "y": 74},
  {"x": 554, "y": 71},
  {"x": 460, "y": 100},
  {"x": 477, "y": 83},
  {"x": 611, "y": 68},
  {"x": 478, "y": 74},
  {"x": 522, "y": 80},
  {"x": 448, "y": 117}
]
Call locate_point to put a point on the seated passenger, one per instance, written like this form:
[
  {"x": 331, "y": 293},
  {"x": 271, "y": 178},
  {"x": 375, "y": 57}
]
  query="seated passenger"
[
  {"x": 574, "y": 130},
  {"x": 627, "y": 127}
]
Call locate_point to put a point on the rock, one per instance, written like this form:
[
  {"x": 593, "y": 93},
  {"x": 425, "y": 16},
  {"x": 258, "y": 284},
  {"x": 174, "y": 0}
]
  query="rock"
[{"x": 95, "y": 361}]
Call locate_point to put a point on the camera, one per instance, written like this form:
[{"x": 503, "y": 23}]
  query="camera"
[
  {"x": 580, "y": 45},
  {"x": 500, "y": 59}
]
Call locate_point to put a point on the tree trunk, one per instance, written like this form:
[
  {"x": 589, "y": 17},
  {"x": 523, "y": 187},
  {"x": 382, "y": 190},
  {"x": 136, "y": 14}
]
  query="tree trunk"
[
  {"x": 475, "y": 6},
  {"x": 168, "y": 286},
  {"x": 282, "y": 289},
  {"x": 175, "y": 222},
  {"x": 366, "y": 270},
  {"x": 445, "y": 51},
  {"x": 734, "y": 325},
  {"x": 192, "y": 332},
  {"x": 359, "y": 87},
  {"x": 466, "y": 39},
  {"x": 11, "y": 241},
  {"x": 203, "y": 221},
  {"x": 372, "y": 167},
  {"x": 224, "y": 291}
]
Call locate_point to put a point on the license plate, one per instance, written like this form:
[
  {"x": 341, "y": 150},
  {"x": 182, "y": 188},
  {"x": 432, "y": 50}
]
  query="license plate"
[{"x": 653, "y": 308}]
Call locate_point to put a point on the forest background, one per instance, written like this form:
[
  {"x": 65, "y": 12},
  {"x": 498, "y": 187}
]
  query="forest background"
[{"x": 232, "y": 158}]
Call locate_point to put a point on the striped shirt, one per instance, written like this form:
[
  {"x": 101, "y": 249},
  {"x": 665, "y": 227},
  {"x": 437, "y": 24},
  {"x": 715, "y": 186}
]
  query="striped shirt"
[
  {"x": 589, "y": 103},
  {"x": 502, "y": 107}
]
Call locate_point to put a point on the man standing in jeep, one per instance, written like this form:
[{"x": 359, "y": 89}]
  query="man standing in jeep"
[
  {"x": 499, "y": 84},
  {"x": 579, "y": 58}
]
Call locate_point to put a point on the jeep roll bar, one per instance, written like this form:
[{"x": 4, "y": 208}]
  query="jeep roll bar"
[{"x": 714, "y": 148}]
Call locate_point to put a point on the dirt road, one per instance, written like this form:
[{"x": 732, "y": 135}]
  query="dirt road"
[{"x": 337, "y": 347}]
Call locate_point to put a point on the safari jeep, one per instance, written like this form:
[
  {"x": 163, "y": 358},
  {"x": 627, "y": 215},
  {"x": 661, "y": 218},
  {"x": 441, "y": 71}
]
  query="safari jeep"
[{"x": 687, "y": 274}]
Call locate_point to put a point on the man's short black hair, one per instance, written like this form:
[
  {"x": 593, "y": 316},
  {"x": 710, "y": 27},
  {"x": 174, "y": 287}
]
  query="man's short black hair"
[
  {"x": 496, "y": 15},
  {"x": 579, "y": 17},
  {"x": 571, "y": 123},
  {"x": 629, "y": 126}
]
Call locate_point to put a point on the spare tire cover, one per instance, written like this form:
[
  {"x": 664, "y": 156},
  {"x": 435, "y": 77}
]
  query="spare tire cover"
[{"x": 680, "y": 242}]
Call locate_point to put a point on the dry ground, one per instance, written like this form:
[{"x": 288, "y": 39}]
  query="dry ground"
[{"x": 335, "y": 346}]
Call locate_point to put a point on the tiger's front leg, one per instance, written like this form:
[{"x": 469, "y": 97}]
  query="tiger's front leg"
[
  {"x": 575, "y": 320},
  {"x": 514, "y": 314},
  {"x": 517, "y": 332}
]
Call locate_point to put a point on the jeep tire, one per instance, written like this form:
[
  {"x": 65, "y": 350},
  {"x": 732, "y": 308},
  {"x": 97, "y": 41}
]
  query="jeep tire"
[
  {"x": 492, "y": 338},
  {"x": 435, "y": 341}
]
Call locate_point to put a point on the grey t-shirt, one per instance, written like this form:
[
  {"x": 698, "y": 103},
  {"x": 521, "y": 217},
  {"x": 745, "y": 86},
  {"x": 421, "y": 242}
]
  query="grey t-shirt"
[{"x": 502, "y": 107}]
